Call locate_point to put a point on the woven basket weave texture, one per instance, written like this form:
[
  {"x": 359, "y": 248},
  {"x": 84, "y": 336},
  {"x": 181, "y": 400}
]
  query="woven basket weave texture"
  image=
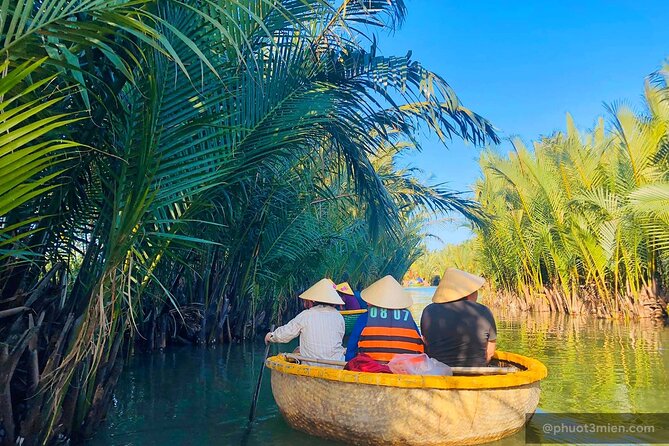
[{"x": 328, "y": 404}]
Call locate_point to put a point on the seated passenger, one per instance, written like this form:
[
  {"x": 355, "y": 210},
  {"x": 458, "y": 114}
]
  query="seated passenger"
[
  {"x": 456, "y": 329},
  {"x": 346, "y": 293},
  {"x": 320, "y": 327},
  {"x": 358, "y": 296},
  {"x": 388, "y": 327}
]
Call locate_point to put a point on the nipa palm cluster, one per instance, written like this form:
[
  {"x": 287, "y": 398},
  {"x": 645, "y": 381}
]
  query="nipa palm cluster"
[
  {"x": 177, "y": 170},
  {"x": 580, "y": 223}
]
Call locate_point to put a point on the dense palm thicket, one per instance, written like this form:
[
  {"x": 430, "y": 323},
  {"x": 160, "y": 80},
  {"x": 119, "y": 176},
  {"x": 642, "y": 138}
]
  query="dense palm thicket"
[
  {"x": 580, "y": 222},
  {"x": 430, "y": 265},
  {"x": 177, "y": 170}
]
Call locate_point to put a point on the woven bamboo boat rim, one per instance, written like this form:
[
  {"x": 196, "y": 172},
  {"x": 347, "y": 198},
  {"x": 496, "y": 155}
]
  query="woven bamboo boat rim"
[
  {"x": 352, "y": 312},
  {"x": 534, "y": 371}
]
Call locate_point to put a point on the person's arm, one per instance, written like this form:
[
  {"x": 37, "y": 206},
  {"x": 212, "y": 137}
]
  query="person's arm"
[
  {"x": 352, "y": 346},
  {"x": 492, "y": 339},
  {"x": 288, "y": 332},
  {"x": 490, "y": 350},
  {"x": 424, "y": 325}
]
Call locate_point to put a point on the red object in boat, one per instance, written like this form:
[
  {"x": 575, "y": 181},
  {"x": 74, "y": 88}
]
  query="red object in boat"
[{"x": 365, "y": 363}]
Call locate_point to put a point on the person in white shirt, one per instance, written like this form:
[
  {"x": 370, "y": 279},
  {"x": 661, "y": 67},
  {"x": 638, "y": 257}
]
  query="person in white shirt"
[{"x": 320, "y": 327}]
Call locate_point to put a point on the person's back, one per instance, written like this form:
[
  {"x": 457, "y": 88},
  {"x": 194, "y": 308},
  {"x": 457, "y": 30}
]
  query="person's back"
[
  {"x": 321, "y": 332},
  {"x": 320, "y": 327},
  {"x": 387, "y": 328},
  {"x": 457, "y": 333},
  {"x": 389, "y": 332},
  {"x": 456, "y": 329},
  {"x": 346, "y": 293}
]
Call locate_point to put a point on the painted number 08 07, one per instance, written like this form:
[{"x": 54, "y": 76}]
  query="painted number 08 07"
[{"x": 383, "y": 313}]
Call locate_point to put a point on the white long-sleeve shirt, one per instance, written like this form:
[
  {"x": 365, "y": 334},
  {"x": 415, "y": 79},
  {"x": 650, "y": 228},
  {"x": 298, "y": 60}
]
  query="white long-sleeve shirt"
[{"x": 321, "y": 330}]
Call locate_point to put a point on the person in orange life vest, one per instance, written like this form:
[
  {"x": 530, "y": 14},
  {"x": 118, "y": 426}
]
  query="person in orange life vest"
[
  {"x": 346, "y": 293},
  {"x": 320, "y": 327},
  {"x": 388, "y": 327}
]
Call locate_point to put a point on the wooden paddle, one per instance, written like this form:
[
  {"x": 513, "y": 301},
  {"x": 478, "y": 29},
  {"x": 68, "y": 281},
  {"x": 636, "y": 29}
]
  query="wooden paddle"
[
  {"x": 459, "y": 371},
  {"x": 252, "y": 414}
]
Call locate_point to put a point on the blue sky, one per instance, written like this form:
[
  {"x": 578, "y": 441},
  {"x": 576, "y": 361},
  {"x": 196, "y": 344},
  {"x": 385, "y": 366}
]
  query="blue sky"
[{"x": 524, "y": 65}]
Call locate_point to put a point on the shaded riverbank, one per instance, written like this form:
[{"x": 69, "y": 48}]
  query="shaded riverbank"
[{"x": 189, "y": 396}]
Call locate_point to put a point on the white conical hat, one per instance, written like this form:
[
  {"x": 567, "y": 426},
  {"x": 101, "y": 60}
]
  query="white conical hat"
[
  {"x": 324, "y": 291},
  {"x": 456, "y": 284},
  {"x": 387, "y": 293}
]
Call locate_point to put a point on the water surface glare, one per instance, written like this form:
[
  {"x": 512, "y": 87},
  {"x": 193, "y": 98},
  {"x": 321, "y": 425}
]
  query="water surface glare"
[{"x": 202, "y": 396}]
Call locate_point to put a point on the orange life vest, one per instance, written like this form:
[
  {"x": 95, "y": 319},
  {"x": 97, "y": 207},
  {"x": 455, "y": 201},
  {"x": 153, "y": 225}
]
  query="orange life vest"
[{"x": 389, "y": 332}]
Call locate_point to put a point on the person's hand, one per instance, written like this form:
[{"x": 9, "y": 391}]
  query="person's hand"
[{"x": 268, "y": 337}]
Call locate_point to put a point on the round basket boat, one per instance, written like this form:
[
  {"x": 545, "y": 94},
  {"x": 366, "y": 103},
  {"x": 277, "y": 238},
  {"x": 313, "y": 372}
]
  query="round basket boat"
[
  {"x": 379, "y": 408},
  {"x": 350, "y": 318}
]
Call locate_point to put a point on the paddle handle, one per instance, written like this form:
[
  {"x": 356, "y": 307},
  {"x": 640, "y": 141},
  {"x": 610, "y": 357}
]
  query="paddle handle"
[
  {"x": 252, "y": 413},
  {"x": 456, "y": 370},
  {"x": 319, "y": 361}
]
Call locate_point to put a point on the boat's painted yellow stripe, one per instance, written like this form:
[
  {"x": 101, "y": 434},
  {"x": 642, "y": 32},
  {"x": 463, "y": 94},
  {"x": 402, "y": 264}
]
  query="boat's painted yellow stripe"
[
  {"x": 351, "y": 312},
  {"x": 536, "y": 371}
]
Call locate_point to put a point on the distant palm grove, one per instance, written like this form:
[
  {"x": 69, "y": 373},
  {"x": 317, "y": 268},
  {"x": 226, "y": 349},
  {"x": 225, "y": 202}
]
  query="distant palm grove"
[
  {"x": 177, "y": 171},
  {"x": 579, "y": 223}
]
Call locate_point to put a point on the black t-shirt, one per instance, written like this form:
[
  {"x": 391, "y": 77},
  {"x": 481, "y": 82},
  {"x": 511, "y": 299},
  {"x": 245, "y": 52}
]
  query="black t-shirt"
[{"x": 457, "y": 333}]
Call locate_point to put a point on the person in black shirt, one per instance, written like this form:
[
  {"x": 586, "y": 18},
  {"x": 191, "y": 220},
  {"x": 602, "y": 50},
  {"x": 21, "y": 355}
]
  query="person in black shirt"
[{"x": 456, "y": 329}]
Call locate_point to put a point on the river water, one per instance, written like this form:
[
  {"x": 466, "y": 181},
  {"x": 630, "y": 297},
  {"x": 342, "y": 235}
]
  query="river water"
[{"x": 202, "y": 396}]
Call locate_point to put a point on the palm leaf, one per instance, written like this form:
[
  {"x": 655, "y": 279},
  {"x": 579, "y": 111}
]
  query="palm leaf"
[{"x": 30, "y": 156}]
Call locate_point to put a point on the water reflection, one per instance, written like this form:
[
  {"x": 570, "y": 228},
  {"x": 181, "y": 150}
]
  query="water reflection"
[
  {"x": 190, "y": 396},
  {"x": 594, "y": 364}
]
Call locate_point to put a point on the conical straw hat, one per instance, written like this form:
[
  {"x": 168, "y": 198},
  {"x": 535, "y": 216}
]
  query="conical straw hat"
[
  {"x": 345, "y": 288},
  {"x": 387, "y": 293},
  {"x": 456, "y": 284},
  {"x": 324, "y": 291}
]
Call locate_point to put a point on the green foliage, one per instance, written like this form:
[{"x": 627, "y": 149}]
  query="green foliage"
[
  {"x": 168, "y": 167},
  {"x": 579, "y": 222},
  {"x": 433, "y": 263}
]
